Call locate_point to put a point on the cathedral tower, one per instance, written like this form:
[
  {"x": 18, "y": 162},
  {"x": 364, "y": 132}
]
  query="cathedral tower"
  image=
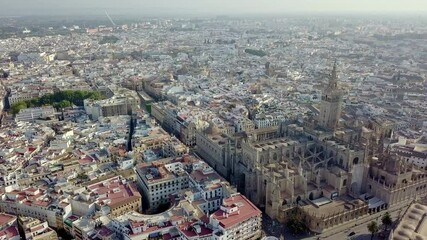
[{"x": 330, "y": 106}]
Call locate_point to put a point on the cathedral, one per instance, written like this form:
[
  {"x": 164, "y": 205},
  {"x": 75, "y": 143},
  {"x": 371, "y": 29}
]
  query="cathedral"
[{"x": 327, "y": 172}]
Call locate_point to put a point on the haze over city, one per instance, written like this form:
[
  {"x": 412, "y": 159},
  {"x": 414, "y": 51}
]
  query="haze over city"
[{"x": 209, "y": 7}]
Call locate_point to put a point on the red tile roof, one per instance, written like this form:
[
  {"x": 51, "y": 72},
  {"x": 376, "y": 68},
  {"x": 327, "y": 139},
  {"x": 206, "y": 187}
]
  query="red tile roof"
[
  {"x": 115, "y": 191},
  {"x": 9, "y": 232},
  {"x": 105, "y": 232},
  {"x": 246, "y": 211},
  {"x": 6, "y": 218},
  {"x": 187, "y": 229}
]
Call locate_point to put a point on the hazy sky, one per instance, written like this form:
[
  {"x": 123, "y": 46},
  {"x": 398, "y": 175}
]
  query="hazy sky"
[{"x": 60, "y": 7}]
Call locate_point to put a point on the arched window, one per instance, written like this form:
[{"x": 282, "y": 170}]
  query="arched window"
[
  {"x": 311, "y": 196},
  {"x": 355, "y": 160}
]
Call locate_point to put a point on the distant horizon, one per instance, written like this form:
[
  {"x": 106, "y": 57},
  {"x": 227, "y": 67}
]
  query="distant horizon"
[
  {"x": 211, "y": 7},
  {"x": 422, "y": 14}
]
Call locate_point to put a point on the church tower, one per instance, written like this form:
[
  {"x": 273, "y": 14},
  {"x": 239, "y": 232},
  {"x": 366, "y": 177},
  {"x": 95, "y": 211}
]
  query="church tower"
[{"x": 330, "y": 106}]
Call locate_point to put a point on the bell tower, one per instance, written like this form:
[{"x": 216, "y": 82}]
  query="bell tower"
[{"x": 330, "y": 106}]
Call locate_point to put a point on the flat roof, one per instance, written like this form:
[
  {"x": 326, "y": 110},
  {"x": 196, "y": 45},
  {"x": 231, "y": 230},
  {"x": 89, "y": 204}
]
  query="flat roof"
[
  {"x": 332, "y": 207},
  {"x": 321, "y": 201}
]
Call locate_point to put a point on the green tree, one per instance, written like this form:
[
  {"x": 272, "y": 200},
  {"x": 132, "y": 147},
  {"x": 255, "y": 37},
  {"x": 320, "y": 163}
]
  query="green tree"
[
  {"x": 296, "y": 225},
  {"x": 64, "y": 104},
  {"x": 83, "y": 176},
  {"x": 15, "y": 108},
  {"x": 386, "y": 220},
  {"x": 373, "y": 228},
  {"x": 33, "y": 102},
  {"x": 61, "y": 99}
]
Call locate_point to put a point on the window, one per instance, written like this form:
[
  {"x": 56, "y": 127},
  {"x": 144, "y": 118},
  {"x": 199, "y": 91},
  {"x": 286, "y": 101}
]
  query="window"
[{"x": 356, "y": 160}]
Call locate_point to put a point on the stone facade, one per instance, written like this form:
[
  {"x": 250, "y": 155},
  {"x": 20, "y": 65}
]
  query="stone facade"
[{"x": 392, "y": 180}]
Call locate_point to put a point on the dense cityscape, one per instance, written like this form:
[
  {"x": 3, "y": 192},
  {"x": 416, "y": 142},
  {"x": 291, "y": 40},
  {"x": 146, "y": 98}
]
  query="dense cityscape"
[{"x": 213, "y": 128}]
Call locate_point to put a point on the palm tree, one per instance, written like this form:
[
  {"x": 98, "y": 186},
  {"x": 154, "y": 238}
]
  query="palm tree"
[
  {"x": 373, "y": 228},
  {"x": 386, "y": 220}
]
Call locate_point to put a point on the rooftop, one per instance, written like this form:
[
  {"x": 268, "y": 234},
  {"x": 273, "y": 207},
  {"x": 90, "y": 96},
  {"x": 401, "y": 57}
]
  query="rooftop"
[
  {"x": 245, "y": 210},
  {"x": 6, "y": 219},
  {"x": 113, "y": 191},
  {"x": 324, "y": 207}
]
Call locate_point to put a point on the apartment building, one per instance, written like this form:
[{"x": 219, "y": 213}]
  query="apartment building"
[
  {"x": 160, "y": 179},
  {"x": 36, "y": 203},
  {"x": 115, "y": 106},
  {"x": 32, "y": 114},
  {"x": 34, "y": 229},
  {"x": 8, "y": 227},
  {"x": 186, "y": 176},
  {"x": 115, "y": 196},
  {"x": 237, "y": 218}
]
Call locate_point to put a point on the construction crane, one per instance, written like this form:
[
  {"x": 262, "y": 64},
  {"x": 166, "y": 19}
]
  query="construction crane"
[{"x": 111, "y": 20}]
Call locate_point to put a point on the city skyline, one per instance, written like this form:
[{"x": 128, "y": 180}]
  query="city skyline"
[{"x": 210, "y": 7}]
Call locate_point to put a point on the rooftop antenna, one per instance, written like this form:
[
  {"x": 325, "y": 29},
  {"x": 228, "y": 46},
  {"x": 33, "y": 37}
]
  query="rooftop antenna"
[{"x": 111, "y": 20}]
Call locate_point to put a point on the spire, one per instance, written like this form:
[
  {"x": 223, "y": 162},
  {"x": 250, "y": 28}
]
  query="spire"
[
  {"x": 333, "y": 78},
  {"x": 334, "y": 70}
]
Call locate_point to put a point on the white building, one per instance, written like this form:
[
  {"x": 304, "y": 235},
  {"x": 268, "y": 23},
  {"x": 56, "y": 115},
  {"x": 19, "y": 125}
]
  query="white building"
[
  {"x": 266, "y": 121},
  {"x": 32, "y": 114},
  {"x": 118, "y": 105},
  {"x": 237, "y": 218},
  {"x": 33, "y": 202},
  {"x": 158, "y": 183},
  {"x": 413, "y": 154},
  {"x": 163, "y": 178}
]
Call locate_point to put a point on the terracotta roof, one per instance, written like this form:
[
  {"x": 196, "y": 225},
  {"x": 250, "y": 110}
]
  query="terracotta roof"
[
  {"x": 246, "y": 210},
  {"x": 6, "y": 218}
]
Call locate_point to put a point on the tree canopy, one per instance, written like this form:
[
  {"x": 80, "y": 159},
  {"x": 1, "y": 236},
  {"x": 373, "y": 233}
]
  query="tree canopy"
[
  {"x": 296, "y": 225},
  {"x": 58, "y": 100},
  {"x": 373, "y": 228},
  {"x": 386, "y": 219}
]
